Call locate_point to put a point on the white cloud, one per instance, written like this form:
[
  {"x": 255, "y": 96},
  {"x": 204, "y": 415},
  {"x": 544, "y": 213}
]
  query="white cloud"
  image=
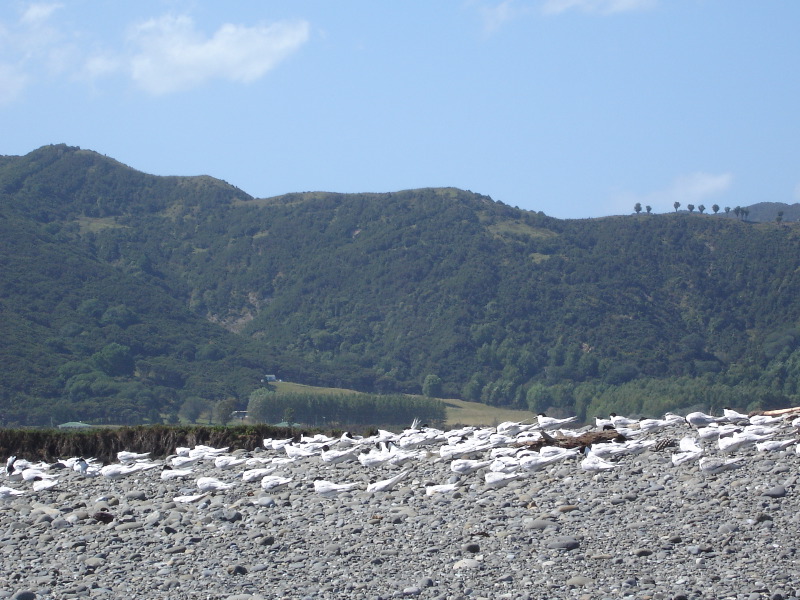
[
  {"x": 606, "y": 7},
  {"x": 166, "y": 54},
  {"x": 173, "y": 56},
  {"x": 694, "y": 188}
]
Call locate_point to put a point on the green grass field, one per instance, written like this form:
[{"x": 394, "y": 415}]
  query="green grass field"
[{"x": 459, "y": 412}]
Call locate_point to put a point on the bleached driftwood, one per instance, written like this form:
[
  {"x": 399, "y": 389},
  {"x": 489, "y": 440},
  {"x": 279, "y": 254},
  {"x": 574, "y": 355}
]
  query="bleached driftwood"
[
  {"x": 776, "y": 412},
  {"x": 586, "y": 439}
]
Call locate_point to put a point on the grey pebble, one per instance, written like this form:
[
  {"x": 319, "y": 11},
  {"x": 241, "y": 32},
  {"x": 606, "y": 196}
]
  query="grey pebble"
[
  {"x": 467, "y": 563},
  {"x": 563, "y": 543},
  {"x": 775, "y": 492},
  {"x": 579, "y": 581},
  {"x": 539, "y": 524}
]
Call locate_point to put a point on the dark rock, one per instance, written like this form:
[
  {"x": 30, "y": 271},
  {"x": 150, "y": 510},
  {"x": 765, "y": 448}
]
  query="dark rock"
[{"x": 102, "y": 516}]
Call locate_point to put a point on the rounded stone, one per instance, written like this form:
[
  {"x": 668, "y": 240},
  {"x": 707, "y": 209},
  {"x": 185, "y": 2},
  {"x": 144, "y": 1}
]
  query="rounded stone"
[
  {"x": 775, "y": 492},
  {"x": 563, "y": 543}
]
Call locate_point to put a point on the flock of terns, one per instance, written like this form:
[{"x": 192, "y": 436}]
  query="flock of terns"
[{"x": 509, "y": 452}]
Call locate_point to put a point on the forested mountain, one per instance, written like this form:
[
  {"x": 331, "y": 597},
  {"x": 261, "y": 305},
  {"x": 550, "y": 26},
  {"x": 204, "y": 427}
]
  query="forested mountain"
[{"x": 126, "y": 295}]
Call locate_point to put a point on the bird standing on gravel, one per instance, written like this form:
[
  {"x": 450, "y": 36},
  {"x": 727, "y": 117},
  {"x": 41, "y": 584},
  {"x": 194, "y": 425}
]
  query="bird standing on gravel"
[
  {"x": 118, "y": 471},
  {"x": 212, "y": 484},
  {"x": 386, "y": 485},
  {"x": 168, "y": 473},
  {"x": 550, "y": 423},
  {"x": 7, "y": 492},
  {"x": 593, "y": 463},
  {"x": 712, "y": 465},
  {"x": 329, "y": 489},
  {"x": 271, "y": 483}
]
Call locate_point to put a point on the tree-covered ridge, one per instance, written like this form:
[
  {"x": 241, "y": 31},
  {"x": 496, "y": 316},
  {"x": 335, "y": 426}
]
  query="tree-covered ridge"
[
  {"x": 162, "y": 291},
  {"x": 62, "y": 182},
  {"x": 83, "y": 338}
]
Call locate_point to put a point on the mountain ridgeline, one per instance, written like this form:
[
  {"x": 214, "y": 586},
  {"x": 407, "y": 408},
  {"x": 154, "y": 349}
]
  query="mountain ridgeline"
[{"x": 127, "y": 298}]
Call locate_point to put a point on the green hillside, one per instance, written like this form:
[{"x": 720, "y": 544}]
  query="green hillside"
[{"x": 125, "y": 296}]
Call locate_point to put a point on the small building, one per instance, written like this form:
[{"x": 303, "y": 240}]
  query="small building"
[{"x": 269, "y": 378}]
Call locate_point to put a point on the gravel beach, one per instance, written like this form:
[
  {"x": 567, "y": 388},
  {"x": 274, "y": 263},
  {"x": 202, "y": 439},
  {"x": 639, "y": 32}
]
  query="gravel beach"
[{"x": 642, "y": 529}]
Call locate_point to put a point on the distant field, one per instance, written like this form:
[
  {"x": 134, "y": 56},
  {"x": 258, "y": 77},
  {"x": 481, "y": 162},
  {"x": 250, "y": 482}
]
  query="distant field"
[
  {"x": 289, "y": 387},
  {"x": 459, "y": 412}
]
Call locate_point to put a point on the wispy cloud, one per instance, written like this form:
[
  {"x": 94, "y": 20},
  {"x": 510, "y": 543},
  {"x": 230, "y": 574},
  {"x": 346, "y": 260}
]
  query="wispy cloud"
[
  {"x": 496, "y": 15},
  {"x": 39, "y": 12},
  {"x": 694, "y": 188},
  {"x": 172, "y": 55},
  {"x": 27, "y": 44},
  {"x": 699, "y": 186},
  {"x": 12, "y": 84},
  {"x": 36, "y": 38},
  {"x": 100, "y": 65},
  {"x": 163, "y": 55},
  {"x": 605, "y": 7}
]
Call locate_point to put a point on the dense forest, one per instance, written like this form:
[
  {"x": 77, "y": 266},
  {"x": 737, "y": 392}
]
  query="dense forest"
[{"x": 130, "y": 298}]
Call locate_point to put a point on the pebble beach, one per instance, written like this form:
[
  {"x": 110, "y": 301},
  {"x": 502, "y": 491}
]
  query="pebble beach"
[{"x": 644, "y": 528}]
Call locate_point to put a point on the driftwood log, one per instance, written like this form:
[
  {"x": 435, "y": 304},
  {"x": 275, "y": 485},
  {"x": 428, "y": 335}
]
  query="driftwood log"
[{"x": 585, "y": 439}]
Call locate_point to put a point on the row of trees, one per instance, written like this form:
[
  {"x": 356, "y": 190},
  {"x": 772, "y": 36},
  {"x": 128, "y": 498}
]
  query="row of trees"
[
  {"x": 738, "y": 211},
  {"x": 343, "y": 409}
]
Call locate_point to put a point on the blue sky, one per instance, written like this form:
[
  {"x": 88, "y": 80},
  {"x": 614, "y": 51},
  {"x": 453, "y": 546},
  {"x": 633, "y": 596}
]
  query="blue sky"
[{"x": 577, "y": 108}]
